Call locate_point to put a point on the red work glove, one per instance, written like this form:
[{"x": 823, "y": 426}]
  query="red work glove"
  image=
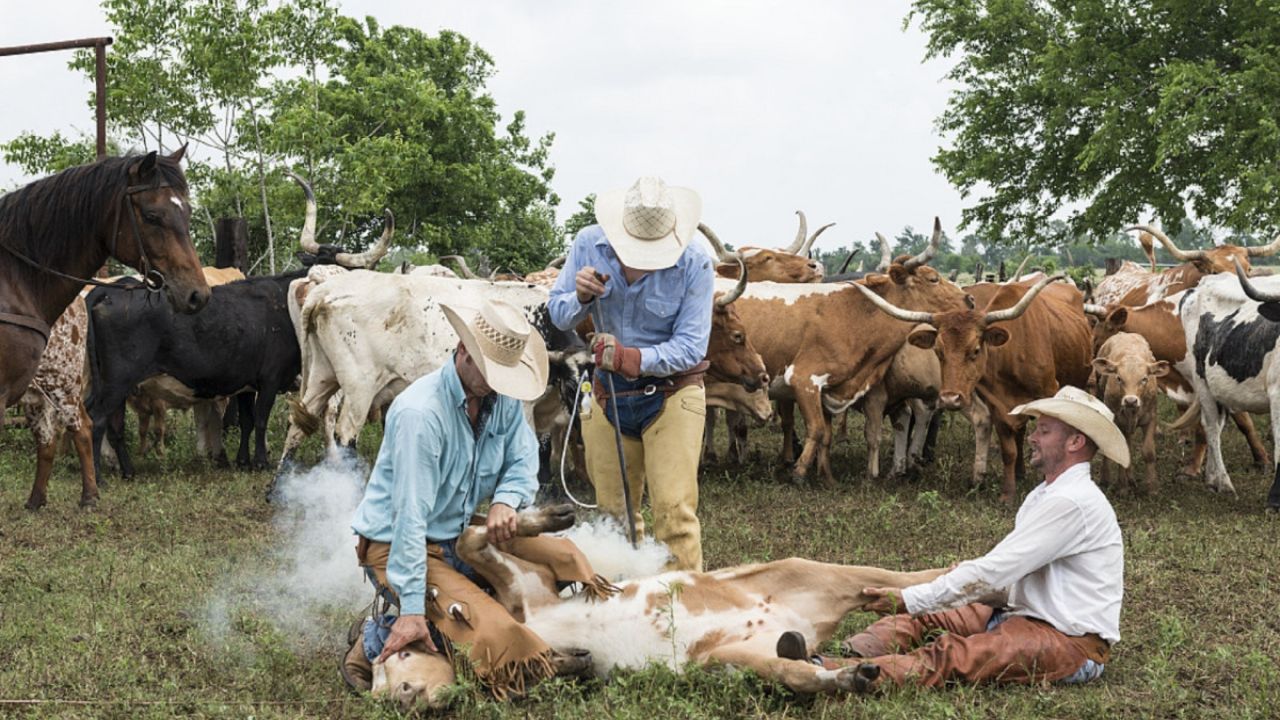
[{"x": 613, "y": 356}]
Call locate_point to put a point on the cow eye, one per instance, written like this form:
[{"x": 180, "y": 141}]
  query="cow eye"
[
  {"x": 405, "y": 687},
  {"x": 404, "y": 654},
  {"x": 738, "y": 338}
]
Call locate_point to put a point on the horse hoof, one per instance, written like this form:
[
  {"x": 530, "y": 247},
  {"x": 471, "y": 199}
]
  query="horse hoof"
[
  {"x": 89, "y": 503},
  {"x": 34, "y": 505}
]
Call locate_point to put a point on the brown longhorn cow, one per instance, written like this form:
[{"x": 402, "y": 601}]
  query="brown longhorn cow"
[
  {"x": 1050, "y": 347},
  {"x": 825, "y": 347},
  {"x": 1134, "y": 286},
  {"x": 790, "y": 265}
]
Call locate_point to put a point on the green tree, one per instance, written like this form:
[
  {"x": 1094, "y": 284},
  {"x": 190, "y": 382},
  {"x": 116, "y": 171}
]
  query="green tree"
[
  {"x": 584, "y": 217},
  {"x": 1119, "y": 109}
]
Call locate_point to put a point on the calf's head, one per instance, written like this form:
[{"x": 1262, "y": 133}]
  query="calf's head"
[
  {"x": 414, "y": 678},
  {"x": 1129, "y": 382}
]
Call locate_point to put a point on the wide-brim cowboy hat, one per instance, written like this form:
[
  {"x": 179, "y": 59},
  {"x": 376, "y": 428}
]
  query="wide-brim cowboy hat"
[
  {"x": 650, "y": 223},
  {"x": 508, "y": 351},
  {"x": 1085, "y": 413}
]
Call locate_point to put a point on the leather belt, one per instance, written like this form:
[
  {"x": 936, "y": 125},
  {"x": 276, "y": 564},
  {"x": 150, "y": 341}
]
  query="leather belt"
[{"x": 666, "y": 385}]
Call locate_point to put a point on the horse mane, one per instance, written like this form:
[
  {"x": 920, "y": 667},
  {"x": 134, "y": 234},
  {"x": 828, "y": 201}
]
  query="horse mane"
[{"x": 54, "y": 219}]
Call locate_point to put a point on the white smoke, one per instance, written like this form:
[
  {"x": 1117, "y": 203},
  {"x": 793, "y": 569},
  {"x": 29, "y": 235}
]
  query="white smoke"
[
  {"x": 604, "y": 542},
  {"x": 311, "y": 577}
]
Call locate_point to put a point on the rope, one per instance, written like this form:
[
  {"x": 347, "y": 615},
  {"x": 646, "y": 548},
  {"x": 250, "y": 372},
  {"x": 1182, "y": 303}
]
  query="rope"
[
  {"x": 577, "y": 403},
  {"x": 54, "y": 701}
]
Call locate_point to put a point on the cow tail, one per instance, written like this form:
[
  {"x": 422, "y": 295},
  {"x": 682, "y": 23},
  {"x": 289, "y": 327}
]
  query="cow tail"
[
  {"x": 1188, "y": 418},
  {"x": 301, "y": 419}
]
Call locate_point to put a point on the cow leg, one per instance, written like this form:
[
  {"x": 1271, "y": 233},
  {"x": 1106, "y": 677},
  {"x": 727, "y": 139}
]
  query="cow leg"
[
  {"x": 82, "y": 436},
  {"x": 1009, "y": 455},
  {"x": 504, "y": 571},
  {"x": 1149, "y": 454},
  {"x": 787, "y": 418},
  {"x": 143, "y": 411},
  {"x": 817, "y": 435},
  {"x": 244, "y": 401},
  {"x": 45, "y": 452},
  {"x": 1213, "y": 418},
  {"x": 736, "y": 426},
  {"x": 161, "y": 427},
  {"x": 1273, "y": 496},
  {"x": 266, "y": 399},
  {"x": 115, "y": 436},
  {"x": 979, "y": 416},
  {"x": 924, "y": 421},
  {"x": 709, "y": 436},
  {"x": 207, "y": 417},
  {"x": 1195, "y": 463},
  {"x": 1244, "y": 421},
  {"x": 873, "y": 407},
  {"x": 759, "y": 656}
]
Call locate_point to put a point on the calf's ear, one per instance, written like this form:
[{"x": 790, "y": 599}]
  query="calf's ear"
[
  {"x": 1103, "y": 366},
  {"x": 1159, "y": 369},
  {"x": 1270, "y": 311}
]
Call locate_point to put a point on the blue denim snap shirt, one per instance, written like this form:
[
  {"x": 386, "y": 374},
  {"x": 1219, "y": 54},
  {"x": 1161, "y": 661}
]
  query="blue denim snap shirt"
[
  {"x": 433, "y": 470},
  {"x": 666, "y": 314}
]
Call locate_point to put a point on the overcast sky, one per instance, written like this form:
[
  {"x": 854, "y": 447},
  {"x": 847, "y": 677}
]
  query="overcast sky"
[{"x": 764, "y": 107}]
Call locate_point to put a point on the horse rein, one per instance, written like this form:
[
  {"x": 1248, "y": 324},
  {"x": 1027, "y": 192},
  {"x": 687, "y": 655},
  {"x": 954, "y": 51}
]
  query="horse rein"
[{"x": 153, "y": 280}]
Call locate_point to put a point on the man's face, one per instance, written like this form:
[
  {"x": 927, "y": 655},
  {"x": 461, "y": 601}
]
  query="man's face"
[
  {"x": 472, "y": 379},
  {"x": 1049, "y": 442}
]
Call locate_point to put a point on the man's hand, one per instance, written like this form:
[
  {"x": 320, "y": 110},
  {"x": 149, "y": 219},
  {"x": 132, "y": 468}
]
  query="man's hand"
[
  {"x": 589, "y": 284},
  {"x": 501, "y": 523},
  {"x": 407, "y": 629},
  {"x": 613, "y": 356},
  {"x": 885, "y": 601}
]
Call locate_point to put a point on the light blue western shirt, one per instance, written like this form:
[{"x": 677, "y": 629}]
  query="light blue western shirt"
[
  {"x": 666, "y": 313},
  {"x": 433, "y": 470}
]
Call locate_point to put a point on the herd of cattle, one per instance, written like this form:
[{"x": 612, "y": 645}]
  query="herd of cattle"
[{"x": 901, "y": 341}]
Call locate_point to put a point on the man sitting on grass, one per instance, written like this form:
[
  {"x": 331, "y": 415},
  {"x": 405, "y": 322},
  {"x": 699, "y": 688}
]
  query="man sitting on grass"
[{"x": 1042, "y": 606}]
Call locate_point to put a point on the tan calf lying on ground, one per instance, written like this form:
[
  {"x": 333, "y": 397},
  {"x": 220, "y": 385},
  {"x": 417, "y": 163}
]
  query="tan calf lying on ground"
[
  {"x": 1128, "y": 382},
  {"x": 732, "y": 616}
]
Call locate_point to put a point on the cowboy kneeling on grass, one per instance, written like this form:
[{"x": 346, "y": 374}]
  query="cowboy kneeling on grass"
[
  {"x": 1042, "y": 606},
  {"x": 453, "y": 439}
]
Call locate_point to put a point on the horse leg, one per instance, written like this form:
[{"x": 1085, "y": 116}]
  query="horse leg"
[{"x": 46, "y": 448}]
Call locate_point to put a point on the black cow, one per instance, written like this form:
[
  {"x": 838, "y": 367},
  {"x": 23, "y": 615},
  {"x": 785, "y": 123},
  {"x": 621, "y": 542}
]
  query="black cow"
[{"x": 243, "y": 340}]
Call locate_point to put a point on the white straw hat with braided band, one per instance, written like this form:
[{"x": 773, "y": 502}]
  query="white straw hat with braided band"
[
  {"x": 650, "y": 223},
  {"x": 508, "y": 350},
  {"x": 1085, "y": 413}
]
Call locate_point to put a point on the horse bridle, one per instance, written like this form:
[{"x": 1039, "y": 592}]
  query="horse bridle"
[{"x": 153, "y": 281}]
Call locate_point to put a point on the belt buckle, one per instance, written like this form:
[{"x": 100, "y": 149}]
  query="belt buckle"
[{"x": 650, "y": 389}]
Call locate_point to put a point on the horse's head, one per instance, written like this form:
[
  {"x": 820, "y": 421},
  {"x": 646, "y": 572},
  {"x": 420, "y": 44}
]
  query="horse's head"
[
  {"x": 154, "y": 234},
  {"x": 414, "y": 678}
]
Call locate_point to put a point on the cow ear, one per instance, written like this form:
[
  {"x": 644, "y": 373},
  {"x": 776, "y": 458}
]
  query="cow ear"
[
  {"x": 923, "y": 336},
  {"x": 898, "y": 274},
  {"x": 1103, "y": 366},
  {"x": 874, "y": 280},
  {"x": 1270, "y": 311},
  {"x": 995, "y": 336},
  {"x": 1159, "y": 369},
  {"x": 1118, "y": 317}
]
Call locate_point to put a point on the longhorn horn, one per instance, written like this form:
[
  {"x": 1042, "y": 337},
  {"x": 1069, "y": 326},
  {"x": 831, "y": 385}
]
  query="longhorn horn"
[
  {"x": 1253, "y": 292},
  {"x": 849, "y": 259},
  {"x": 808, "y": 244},
  {"x": 462, "y": 265},
  {"x": 369, "y": 258},
  {"x": 1021, "y": 266},
  {"x": 1181, "y": 255},
  {"x": 736, "y": 292},
  {"x": 886, "y": 253},
  {"x": 794, "y": 247},
  {"x": 1262, "y": 250},
  {"x": 932, "y": 249},
  {"x": 996, "y": 316},
  {"x": 911, "y": 316},
  {"x": 724, "y": 255},
  {"x": 1095, "y": 310},
  {"x": 308, "y": 239},
  {"x": 557, "y": 263}
]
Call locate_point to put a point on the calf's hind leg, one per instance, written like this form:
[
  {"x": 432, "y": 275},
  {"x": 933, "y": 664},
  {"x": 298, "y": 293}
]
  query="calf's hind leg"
[{"x": 759, "y": 656}]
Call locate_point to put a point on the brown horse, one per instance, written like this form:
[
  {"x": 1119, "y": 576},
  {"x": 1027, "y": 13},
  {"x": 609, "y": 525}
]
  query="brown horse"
[{"x": 59, "y": 230}]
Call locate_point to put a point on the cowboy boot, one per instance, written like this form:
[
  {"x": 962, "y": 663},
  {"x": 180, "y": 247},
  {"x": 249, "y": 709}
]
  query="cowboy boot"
[{"x": 355, "y": 669}]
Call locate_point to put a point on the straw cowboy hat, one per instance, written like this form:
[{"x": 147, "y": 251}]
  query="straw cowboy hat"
[
  {"x": 650, "y": 223},
  {"x": 1085, "y": 413},
  {"x": 506, "y": 348}
]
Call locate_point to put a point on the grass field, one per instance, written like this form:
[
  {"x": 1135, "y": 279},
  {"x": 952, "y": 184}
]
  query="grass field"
[{"x": 167, "y": 599}]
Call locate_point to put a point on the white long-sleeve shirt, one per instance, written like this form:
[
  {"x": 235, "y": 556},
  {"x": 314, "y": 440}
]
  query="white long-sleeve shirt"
[{"x": 1063, "y": 563}]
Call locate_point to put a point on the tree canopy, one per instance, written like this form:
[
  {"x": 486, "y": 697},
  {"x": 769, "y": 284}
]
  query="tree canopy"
[
  {"x": 373, "y": 116},
  {"x": 1121, "y": 110}
]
